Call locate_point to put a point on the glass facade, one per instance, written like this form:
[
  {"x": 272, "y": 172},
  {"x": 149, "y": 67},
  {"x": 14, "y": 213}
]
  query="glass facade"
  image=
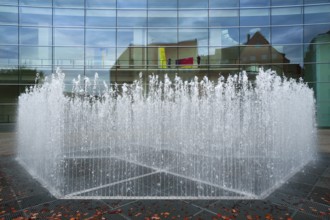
[{"x": 118, "y": 39}]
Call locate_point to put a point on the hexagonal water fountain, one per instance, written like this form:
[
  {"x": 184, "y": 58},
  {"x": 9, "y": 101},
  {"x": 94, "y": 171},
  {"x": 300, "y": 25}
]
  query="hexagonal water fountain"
[{"x": 175, "y": 140}]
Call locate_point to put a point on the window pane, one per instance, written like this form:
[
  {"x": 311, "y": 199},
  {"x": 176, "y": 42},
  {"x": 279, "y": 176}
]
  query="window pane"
[
  {"x": 9, "y": 93},
  {"x": 35, "y": 36},
  {"x": 313, "y": 31},
  {"x": 224, "y": 55},
  {"x": 287, "y": 35},
  {"x": 132, "y": 18},
  {"x": 193, "y": 4},
  {"x": 282, "y": 16},
  {"x": 35, "y": 56},
  {"x": 255, "y": 36},
  {"x": 287, "y": 54},
  {"x": 224, "y": 37},
  {"x": 8, "y": 56},
  {"x": 255, "y": 54},
  {"x": 72, "y": 57},
  {"x": 224, "y": 18},
  {"x": 254, "y": 17},
  {"x": 154, "y": 60},
  {"x": 101, "y": 4},
  {"x": 36, "y": 2},
  {"x": 69, "y": 17},
  {"x": 69, "y": 3},
  {"x": 100, "y": 57},
  {"x": 286, "y": 2},
  {"x": 131, "y": 37},
  {"x": 254, "y": 3},
  {"x": 9, "y": 2},
  {"x": 162, "y": 4},
  {"x": 131, "y": 3},
  {"x": 223, "y": 3},
  {"x": 315, "y": 1},
  {"x": 35, "y": 16},
  {"x": 193, "y": 18},
  {"x": 317, "y": 14},
  {"x": 162, "y": 36},
  {"x": 162, "y": 18},
  {"x": 194, "y": 37},
  {"x": 68, "y": 37},
  {"x": 8, "y": 15},
  {"x": 100, "y": 37},
  {"x": 104, "y": 76},
  {"x": 101, "y": 18},
  {"x": 8, "y": 35}
]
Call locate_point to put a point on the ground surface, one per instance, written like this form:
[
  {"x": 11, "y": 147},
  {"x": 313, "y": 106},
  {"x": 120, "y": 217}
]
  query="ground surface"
[{"x": 305, "y": 196}]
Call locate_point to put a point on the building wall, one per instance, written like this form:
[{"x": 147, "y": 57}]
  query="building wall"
[{"x": 120, "y": 38}]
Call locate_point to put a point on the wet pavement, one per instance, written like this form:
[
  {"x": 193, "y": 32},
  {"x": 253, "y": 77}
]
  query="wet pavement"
[{"x": 304, "y": 196}]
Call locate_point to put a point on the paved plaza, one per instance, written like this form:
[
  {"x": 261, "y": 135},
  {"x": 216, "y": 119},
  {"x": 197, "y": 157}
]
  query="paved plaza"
[{"x": 305, "y": 196}]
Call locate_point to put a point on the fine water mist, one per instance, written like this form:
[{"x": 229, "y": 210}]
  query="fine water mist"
[{"x": 168, "y": 139}]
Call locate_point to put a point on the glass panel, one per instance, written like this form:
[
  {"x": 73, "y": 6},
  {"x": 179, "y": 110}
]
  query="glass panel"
[
  {"x": 8, "y": 35},
  {"x": 35, "y": 16},
  {"x": 224, "y": 18},
  {"x": 100, "y": 57},
  {"x": 101, "y": 37},
  {"x": 162, "y": 36},
  {"x": 35, "y": 56},
  {"x": 162, "y": 18},
  {"x": 131, "y": 37},
  {"x": 287, "y": 35},
  {"x": 193, "y": 4},
  {"x": 8, "y": 113},
  {"x": 9, "y": 2},
  {"x": 8, "y": 56},
  {"x": 315, "y": 1},
  {"x": 155, "y": 61},
  {"x": 254, "y": 17},
  {"x": 8, "y": 15},
  {"x": 224, "y": 36},
  {"x": 101, "y": 18},
  {"x": 223, "y": 55},
  {"x": 36, "y": 2},
  {"x": 68, "y": 17},
  {"x": 287, "y": 54},
  {"x": 9, "y": 75},
  {"x": 223, "y": 3},
  {"x": 193, "y": 37},
  {"x": 286, "y": 2},
  {"x": 131, "y": 3},
  {"x": 69, "y": 3},
  {"x": 35, "y": 36},
  {"x": 28, "y": 74},
  {"x": 162, "y": 4},
  {"x": 283, "y": 16},
  {"x": 131, "y": 57},
  {"x": 255, "y": 54},
  {"x": 315, "y": 31},
  {"x": 72, "y": 57},
  {"x": 187, "y": 57},
  {"x": 254, "y": 3},
  {"x": 255, "y": 36},
  {"x": 193, "y": 18},
  {"x": 104, "y": 76},
  {"x": 131, "y": 18},
  {"x": 8, "y": 93},
  {"x": 101, "y": 4},
  {"x": 68, "y": 37},
  {"x": 317, "y": 14}
]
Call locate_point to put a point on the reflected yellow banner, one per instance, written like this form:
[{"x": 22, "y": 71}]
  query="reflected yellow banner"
[{"x": 162, "y": 58}]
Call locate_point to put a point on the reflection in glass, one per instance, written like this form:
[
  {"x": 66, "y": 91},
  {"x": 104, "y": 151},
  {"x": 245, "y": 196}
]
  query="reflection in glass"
[
  {"x": 101, "y": 37},
  {"x": 8, "y": 15},
  {"x": 104, "y": 75},
  {"x": 312, "y": 31},
  {"x": 193, "y": 18},
  {"x": 287, "y": 54},
  {"x": 257, "y": 54},
  {"x": 282, "y": 16},
  {"x": 162, "y": 18},
  {"x": 35, "y": 56},
  {"x": 68, "y": 37},
  {"x": 131, "y": 3},
  {"x": 8, "y": 35},
  {"x": 224, "y": 36},
  {"x": 223, "y": 55},
  {"x": 9, "y": 2},
  {"x": 162, "y": 36},
  {"x": 132, "y": 18},
  {"x": 254, "y": 3},
  {"x": 131, "y": 37},
  {"x": 35, "y": 16},
  {"x": 286, "y": 2},
  {"x": 35, "y": 36},
  {"x": 69, "y": 3},
  {"x": 9, "y": 93},
  {"x": 293, "y": 35},
  {"x": 223, "y": 18},
  {"x": 100, "y": 57},
  {"x": 162, "y": 4},
  {"x": 36, "y": 2},
  {"x": 255, "y": 35},
  {"x": 223, "y": 3},
  {"x": 8, "y": 56},
  {"x": 101, "y": 18},
  {"x": 254, "y": 17},
  {"x": 194, "y": 37},
  {"x": 154, "y": 61},
  {"x": 317, "y": 14},
  {"x": 101, "y": 4},
  {"x": 72, "y": 57},
  {"x": 68, "y": 17},
  {"x": 193, "y": 4}
]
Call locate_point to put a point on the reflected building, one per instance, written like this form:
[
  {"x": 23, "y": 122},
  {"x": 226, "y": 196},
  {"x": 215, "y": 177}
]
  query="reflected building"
[{"x": 118, "y": 39}]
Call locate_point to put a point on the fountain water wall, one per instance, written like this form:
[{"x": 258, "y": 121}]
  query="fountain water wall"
[{"x": 173, "y": 139}]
